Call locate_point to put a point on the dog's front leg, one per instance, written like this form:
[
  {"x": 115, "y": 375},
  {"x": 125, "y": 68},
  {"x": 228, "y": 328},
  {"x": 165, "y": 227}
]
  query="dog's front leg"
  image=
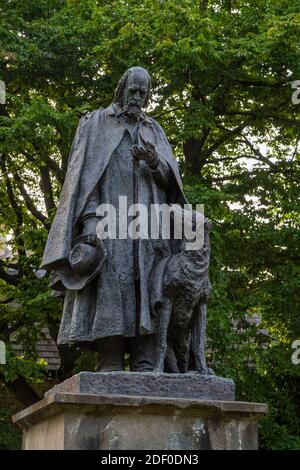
[
  {"x": 198, "y": 340},
  {"x": 162, "y": 335}
]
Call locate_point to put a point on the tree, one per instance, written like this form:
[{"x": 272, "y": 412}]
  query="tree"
[{"x": 222, "y": 75}]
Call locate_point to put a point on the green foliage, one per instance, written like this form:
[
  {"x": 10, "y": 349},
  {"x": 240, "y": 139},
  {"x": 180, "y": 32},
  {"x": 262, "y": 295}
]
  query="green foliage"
[
  {"x": 222, "y": 74},
  {"x": 10, "y": 436}
]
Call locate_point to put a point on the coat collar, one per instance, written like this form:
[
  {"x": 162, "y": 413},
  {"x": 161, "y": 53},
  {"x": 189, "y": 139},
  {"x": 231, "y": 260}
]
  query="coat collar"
[{"x": 115, "y": 110}]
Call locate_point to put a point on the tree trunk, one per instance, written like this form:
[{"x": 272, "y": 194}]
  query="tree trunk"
[{"x": 194, "y": 155}]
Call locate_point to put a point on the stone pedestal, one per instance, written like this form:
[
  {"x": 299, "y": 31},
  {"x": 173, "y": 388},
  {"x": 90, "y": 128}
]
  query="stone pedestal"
[{"x": 121, "y": 411}]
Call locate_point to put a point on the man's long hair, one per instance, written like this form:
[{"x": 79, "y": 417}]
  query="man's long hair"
[{"x": 119, "y": 92}]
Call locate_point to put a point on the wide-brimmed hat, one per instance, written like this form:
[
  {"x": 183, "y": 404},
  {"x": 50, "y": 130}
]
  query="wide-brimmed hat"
[{"x": 85, "y": 262}]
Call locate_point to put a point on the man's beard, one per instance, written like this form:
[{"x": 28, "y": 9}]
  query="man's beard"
[{"x": 132, "y": 111}]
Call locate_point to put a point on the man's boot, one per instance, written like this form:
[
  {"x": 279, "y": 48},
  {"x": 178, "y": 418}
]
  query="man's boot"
[
  {"x": 110, "y": 354},
  {"x": 143, "y": 353}
]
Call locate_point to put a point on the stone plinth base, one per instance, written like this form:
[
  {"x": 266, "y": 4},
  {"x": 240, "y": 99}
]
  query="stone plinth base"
[
  {"x": 148, "y": 384},
  {"x": 99, "y": 421}
]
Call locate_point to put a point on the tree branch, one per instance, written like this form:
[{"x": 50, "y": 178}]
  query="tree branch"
[
  {"x": 54, "y": 167},
  {"x": 29, "y": 202},
  {"x": 260, "y": 83},
  {"x": 228, "y": 134},
  {"x": 234, "y": 177},
  {"x": 258, "y": 153},
  {"x": 46, "y": 187}
]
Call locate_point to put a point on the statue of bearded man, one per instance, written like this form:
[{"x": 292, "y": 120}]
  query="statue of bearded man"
[{"x": 117, "y": 151}]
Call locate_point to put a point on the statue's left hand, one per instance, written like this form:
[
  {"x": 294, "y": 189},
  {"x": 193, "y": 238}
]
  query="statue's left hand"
[{"x": 146, "y": 153}]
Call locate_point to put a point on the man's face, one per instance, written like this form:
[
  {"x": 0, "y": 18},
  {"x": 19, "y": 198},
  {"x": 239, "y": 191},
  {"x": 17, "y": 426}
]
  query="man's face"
[{"x": 136, "y": 90}]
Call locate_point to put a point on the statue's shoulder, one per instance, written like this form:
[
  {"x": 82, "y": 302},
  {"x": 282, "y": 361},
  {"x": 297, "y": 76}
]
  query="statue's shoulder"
[
  {"x": 91, "y": 115},
  {"x": 152, "y": 121},
  {"x": 89, "y": 119},
  {"x": 158, "y": 128}
]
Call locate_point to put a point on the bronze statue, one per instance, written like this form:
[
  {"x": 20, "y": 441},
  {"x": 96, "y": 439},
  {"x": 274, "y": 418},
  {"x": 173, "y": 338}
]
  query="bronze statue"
[{"x": 118, "y": 291}]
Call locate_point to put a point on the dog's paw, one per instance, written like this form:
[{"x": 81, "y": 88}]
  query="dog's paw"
[{"x": 208, "y": 371}]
